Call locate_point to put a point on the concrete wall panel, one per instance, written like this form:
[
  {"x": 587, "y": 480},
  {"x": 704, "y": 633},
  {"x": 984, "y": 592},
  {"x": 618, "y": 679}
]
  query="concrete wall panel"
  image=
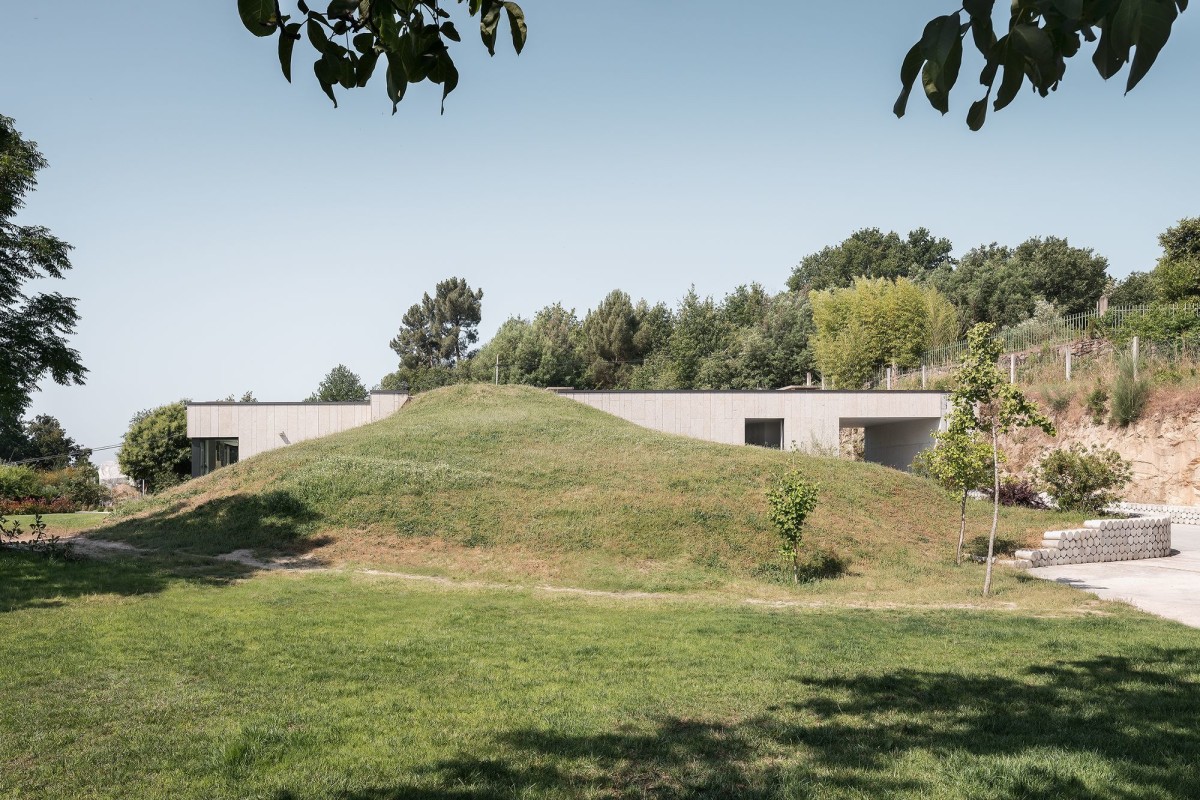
[
  {"x": 811, "y": 419},
  {"x": 257, "y": 426}
]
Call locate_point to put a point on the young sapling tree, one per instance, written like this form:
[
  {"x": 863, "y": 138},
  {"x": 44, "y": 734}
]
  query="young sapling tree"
[
  {"x": 960, "y": 461},
  {"x": 792, "y": 499},
  {"x": 985, "y": 402}
]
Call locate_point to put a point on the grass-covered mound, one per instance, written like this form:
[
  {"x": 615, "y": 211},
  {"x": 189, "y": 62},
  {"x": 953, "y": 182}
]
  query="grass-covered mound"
[{"x": 515, "y": 483}]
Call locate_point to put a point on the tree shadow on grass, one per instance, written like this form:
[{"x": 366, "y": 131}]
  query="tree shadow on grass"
[
  {"x": 178, "y": 545},
  {"x": 31, "y": 580},
  {"x": 1100, "y": 728},
  {"x": 978, "y": 546},
  {"x": 271, "y": 521}
]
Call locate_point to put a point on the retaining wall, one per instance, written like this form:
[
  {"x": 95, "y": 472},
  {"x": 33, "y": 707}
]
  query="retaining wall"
[
  {"x": 1102, "y": 540},
  {"x": 1180, "y": 515}
]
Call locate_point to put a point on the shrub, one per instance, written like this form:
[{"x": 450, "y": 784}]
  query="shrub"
[
  {"x": 19, "y": 482},
  {"x": 38, "y": 505},
  {"x": 1129, "y": 395},
  {"x": 1097, "y": 404},
  {"x": 1059, "y": 400},
  {"x": 791, "y": 500},
  {"x": 1017, "y": 492},
  {"x": 1083, "y": 480}
]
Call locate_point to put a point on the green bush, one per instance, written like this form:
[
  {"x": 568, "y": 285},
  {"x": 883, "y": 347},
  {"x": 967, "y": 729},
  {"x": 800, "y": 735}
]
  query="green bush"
[
  {"x": 791, "y": 500},
  {"x": 1097, "y": 404},
  {"x": 62, "y": 490},
  {"x": 1083, "y": 479},
  {"x": 1059, "y": 399},
  {"x": 18, "y": 483},
  {"x": 1129, "y": 395}
]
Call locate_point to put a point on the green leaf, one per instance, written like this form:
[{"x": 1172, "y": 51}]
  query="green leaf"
[
  {"x": 940, "y": 36},
  {"x": 287, "y": 41},
  {"x": 341, "y": 8},
  {"x": 366, "y": 67},
  {"x": 316, "y": 36},
  {"x": 979, "y": 8},
  {"x": 941, "y": 47},
  {"x": 326, "y": 77},
  {"x": 516, "y": 24},
  {"x": 1153, "y": 30},
  {"x": 1034, "y": 43},
  {"x": 978, "y": 113},
  {"x": 258, "y": 16},
  {"x": 1070, "y": 9},
  {"x": 397, "y": 80},
  {"x": 364, "y": 43},
  {"x": 303, "y": 6},
  {"x": 909, "y": 71},
  {"x": 488, "y": 22},
  {"x": 343, "y": 67},
  {"x": 1014, "y": 76},
  {"x": 450, "y": 32}
]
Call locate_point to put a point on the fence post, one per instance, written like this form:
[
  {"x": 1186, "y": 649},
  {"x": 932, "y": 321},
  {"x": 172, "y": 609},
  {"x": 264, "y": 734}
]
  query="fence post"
[
  {"x": 808, "y": 378},
  {"x": 1012, "y": 367},
  {"x": 1135, "y": 357},
  {"x": 922, "y": 376},
  {"x": 1068, "y": 352},
  {"x": 889, "y": 378}
]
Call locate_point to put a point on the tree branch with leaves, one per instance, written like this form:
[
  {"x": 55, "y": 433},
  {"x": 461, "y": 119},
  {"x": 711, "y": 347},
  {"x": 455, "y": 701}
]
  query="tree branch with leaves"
[
  {"x": 350, "y": 36},
  {"x": 1042, "y": 35}
]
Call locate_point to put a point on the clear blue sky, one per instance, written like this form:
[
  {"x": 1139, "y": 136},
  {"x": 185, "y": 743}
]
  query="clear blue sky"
[{"x": 233, "y": 232}]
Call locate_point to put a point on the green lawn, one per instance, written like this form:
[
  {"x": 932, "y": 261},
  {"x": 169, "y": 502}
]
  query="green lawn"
[
  {"x": 59, "y": 524},
  {"x": 156, "y": 678}
]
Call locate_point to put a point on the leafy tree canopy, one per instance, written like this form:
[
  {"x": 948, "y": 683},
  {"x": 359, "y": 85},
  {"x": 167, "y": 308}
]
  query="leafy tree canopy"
[
  {"x": 156, "y": 448},
  {"x": 1001, "y": 285},
  {"x": 33, "y": 328},
  {"x": 439, "y": 330},
  {"x": 1137, "y": 288},
  {"x": 1177, "y": 276},
  {"x": 877, "y": 322},
  {"x": 339, "y": 386},
  {"x": 1041, "y": 35},
  {"x": 870, "y": 253},
  {"x": 48, "y": 442},
  {"x": 350, "y": 36}
]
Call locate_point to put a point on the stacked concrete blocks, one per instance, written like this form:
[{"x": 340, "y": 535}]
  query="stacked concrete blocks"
[
  {"x": 1102, "y": 540},
  {"x": 1180, "y": 515}
]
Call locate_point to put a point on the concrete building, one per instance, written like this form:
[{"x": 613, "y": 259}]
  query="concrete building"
[
  {"x": 224, "y": 433},
  {"x": 897, "y": 424}
]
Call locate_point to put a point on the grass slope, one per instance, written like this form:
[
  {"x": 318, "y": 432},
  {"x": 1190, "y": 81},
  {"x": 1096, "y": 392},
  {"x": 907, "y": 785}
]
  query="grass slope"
[{"x": 516, "y": 483}]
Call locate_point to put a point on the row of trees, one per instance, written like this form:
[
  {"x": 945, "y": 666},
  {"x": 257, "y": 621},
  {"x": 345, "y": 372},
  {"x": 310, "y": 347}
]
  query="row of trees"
[
  {"x": 874, "y": 299},
  {"x": 751, "y": 339}
]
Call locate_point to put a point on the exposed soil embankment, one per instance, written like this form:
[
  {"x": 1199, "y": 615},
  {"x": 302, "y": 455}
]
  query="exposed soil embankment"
[{"x": 1163, "y": 446}]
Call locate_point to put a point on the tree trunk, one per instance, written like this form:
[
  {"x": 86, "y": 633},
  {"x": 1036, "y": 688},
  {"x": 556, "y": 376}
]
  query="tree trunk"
[
  {"x": 796, "y": 565},
  {"x": 962, "y": 529},
  {"x": 987, "y": 579}
]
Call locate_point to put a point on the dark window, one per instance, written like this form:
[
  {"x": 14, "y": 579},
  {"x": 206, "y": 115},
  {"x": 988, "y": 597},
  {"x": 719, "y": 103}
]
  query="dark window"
[{"x": 765, "y": 433}]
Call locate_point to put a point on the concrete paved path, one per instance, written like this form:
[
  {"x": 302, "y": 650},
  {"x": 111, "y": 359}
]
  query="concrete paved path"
[{"x": 1169, "y": 587}]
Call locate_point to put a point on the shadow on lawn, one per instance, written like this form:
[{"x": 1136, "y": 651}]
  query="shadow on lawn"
[
  {"x": 181, "y": 543},
  {"x": 30, "y": 580},
  {"x": 1102, "y": 728},
  {"x": 274, "y": 521}
]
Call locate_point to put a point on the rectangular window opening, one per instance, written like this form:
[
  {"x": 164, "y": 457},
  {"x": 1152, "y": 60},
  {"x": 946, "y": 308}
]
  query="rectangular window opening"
[{"x": 765, "y": 433}]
